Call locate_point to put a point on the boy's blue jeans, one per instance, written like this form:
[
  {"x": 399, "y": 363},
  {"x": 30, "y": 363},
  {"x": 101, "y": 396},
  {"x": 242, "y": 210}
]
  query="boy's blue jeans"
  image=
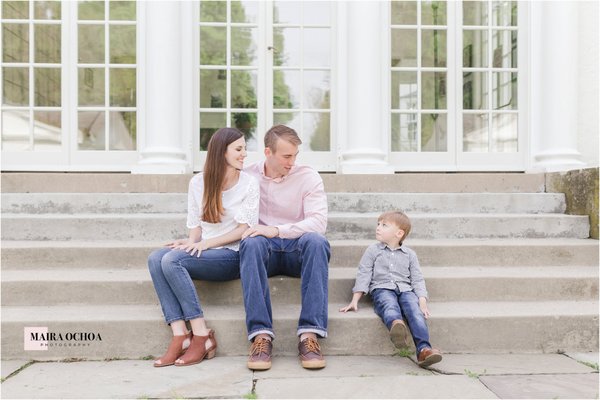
[
  {"x": 306, "y": 257},
  {"x": 392, "y": 304},
  {"x": 172, "y": 272}
]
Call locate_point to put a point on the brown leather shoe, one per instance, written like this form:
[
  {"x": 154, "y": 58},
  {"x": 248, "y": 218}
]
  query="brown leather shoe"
[
  {"x": 310, "y": 354},
  {"x": 177, "y": 347},
  {"x": 399, "y": 334},
  {"x": 198, "y": 351},
  {"x": 429, "y": 356},
  {"x": 260, "y": 354}
]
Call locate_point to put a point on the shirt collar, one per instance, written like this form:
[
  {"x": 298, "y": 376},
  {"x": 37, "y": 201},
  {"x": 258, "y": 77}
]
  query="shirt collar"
[
  {"x": 261, "y": 168},
  {"x": 383, "y": 246}
]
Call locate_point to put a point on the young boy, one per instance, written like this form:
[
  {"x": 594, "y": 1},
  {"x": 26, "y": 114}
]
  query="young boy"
[{"x": 390, "y": 272}]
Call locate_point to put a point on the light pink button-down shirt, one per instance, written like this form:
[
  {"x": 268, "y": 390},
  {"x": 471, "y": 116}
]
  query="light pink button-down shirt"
[{"x": 295, "y": 204}]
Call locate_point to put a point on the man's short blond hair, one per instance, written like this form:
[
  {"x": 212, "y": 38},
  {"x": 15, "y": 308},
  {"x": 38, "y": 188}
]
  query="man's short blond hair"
[
  {"x": 399, "y": 219},
  {"x": 281, "y": 132}
]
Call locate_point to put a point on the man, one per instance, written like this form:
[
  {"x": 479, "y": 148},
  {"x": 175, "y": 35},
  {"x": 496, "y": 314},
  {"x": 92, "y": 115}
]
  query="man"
[{"x": 287, "y": 241}]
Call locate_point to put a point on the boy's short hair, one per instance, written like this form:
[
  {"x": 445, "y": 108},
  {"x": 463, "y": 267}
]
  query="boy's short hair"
[
  {"x": 281, "y": 132},
  {"x": 399, "y": 219}
]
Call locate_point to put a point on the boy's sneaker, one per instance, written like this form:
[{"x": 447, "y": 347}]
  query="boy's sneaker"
[
  {"x": 310, "y": 354},
  {"x": 399, "y": 334},
  {"x": 428, "y": 356},
  {"x": 260, "y": 354}
]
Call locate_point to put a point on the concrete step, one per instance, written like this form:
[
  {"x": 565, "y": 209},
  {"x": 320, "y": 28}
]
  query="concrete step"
[
  {"x": 344, "y": 253},
  {"x": 137, "y": 331},
  {"x": 410, "y": 182},
  {"x": 340, "y": 226},
  {"x": 134, "y": 286},
  {"x": 74, "y": 203}
]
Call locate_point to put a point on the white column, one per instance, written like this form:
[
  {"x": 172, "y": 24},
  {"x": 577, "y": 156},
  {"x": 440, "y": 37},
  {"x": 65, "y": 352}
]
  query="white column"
[
  {"x": 365, "y": 150},
  {"x": 162, "y": 142},
  {"x": 554, "y": 86}
]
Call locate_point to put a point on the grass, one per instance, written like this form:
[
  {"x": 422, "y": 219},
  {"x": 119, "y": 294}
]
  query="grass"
[
  {"x": 475, "y": 375},
  {"x": 403, "y": 353},
  {"x": 251, "y": 396},
  {"x": 589, "y": 364}
]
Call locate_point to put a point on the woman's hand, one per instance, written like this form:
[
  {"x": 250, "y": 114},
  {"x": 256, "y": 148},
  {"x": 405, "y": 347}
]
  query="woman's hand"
[
  {"x": 178, "y": 243},
  {"x": 195, "y": 248},
  {"x": 350, "y": 307},
  {"x": 423, "y": 307}
]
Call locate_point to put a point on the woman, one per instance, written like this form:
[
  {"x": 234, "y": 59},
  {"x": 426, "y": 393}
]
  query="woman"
[{"x": 222, "y": 204}]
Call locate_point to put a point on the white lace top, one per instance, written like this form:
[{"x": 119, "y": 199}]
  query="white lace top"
[{"x": 240, "y": 203}]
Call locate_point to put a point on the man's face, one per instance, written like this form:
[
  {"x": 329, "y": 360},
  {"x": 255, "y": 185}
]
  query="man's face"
[{"x": 280, "y": 162}]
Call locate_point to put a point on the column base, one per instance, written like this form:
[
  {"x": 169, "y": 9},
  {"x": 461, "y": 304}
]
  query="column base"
[
  {"x": 162, "y": 161},
  {"x": 557, "y": 160},
  {"x": 364, "y": 161}
]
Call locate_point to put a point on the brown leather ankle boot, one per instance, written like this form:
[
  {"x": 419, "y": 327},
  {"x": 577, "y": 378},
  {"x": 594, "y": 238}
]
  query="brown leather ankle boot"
[
  {"x": 198, "y": 351},
  {"x": 177, "y": 347}
]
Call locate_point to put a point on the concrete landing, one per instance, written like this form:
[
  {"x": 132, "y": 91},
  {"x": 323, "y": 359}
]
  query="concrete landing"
[{"x": 457, "y": 376}]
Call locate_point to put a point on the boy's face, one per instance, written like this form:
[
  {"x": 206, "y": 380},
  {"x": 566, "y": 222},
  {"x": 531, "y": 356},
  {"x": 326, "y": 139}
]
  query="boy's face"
[{"x": 388, "y": 233}]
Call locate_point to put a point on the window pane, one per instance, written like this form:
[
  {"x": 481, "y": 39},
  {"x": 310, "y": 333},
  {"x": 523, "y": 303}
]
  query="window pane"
[
  {"x": 91, "y": 43},
  {"x": 504, "y": 133},
  {"x": 122, "y": 10},
  {"x": 15, "y": 42},
  {"x": 213, "y": 11},
  {"x": 47, "y": 87},
  {"x": 475, "y": 49},
  {"x": 209, "y": 124},
  {"x": 243, "y": 46},
  {"x": 504, "y": 44},
  {"x": 213, "y": 45},
  {"x": 316, "y": 89},
  {"x": 433, "y": 90},
  {"x": 47, "y": 43},
  {"x": 122, "y": 87},
  {"x": 287, "y": 12},
  {"x": 433, "y": 48},
  {"x": 91, "y": 10},
  {"x": 91, "y": 86},
  {"x": 475, "y": 133},
  {"x": 404, "y": 48},
  {"x": 213, "y": 88},
  {"x": 15, "y": 86},
  {"x": 246, "y": 123},
  {"x": 475, "y": 13},
  {"x": 404, "y": 132},
  {"x": 504, "y": 13},
  {"x": 15, "y": 131},
  {"x": 244, "y": 11},
  {"x": 317, "y": 12},
  {"x": 404, "y": 90},
  {"x": 404, "y": 12},
  {"x": 290, "y": 119},
  {"x": 122, "y": 44},
  {"x": 91, "y": 126},
  {"x": 15, "y": 9},
  {"x": 286, "y": 89},
  {"x": 47, "y": 132},
  {"x": 433, "y": 132},
  {"x": 122, "y": 130},
  {"x": 433, "y": 12},
  {"x": 475, "y": 90},
  {"x": 243, "y": 89},
  {"x": 317, "y": 49},
  {"x": 316, "y": 130},
  {"x": 504, "y": 90},
  {"x": 47, "y": 9},
  {"x": 287, "y": 47}
]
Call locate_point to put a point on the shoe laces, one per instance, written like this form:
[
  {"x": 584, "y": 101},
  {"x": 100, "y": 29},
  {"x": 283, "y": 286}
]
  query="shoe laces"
[
  {"x": 312, "y": 345},
  {"x": 260, "y": 345}
]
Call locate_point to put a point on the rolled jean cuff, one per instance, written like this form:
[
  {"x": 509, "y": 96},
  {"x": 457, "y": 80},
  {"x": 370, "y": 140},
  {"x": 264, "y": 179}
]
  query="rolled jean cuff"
[
  {"x": 259, "y": 332},
  {"x": 320, "y": 332}
]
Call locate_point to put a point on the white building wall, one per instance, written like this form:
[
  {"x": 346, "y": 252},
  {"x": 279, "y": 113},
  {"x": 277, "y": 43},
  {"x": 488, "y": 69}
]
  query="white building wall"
[{"x": 588, "y": 126}]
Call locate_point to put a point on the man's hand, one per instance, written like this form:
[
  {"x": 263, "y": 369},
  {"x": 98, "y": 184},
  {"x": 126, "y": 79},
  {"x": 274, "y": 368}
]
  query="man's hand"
[
  {"x": 423, "y": 307},
  {"x": 261, "y": 230},
  {"x": 350, "y": 307}
]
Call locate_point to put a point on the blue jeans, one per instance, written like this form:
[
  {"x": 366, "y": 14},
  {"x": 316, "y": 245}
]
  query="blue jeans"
[
  {"x": 172, "y": 272},
  {"x": 392, "y": 304},
  {"x": 306, "y": 257}
]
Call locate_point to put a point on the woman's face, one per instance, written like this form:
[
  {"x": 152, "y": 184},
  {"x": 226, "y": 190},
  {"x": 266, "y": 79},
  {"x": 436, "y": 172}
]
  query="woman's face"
[{"x": 235, "y": 154}]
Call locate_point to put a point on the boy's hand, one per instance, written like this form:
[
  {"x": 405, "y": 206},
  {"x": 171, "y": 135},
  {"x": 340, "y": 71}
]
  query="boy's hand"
[
  {"x": 423, "y": 307},
  {"x": 350, "y": 307}
]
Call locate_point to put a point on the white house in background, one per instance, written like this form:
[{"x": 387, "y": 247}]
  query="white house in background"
[{"x": 371, "y": 86}]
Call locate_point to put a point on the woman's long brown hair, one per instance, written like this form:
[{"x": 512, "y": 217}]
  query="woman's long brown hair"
[{"x": 214, "y": 173}]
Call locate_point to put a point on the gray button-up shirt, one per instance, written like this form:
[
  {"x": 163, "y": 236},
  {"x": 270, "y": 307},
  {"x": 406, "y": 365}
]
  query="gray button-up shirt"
[{"x": 383, "y": 268}]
